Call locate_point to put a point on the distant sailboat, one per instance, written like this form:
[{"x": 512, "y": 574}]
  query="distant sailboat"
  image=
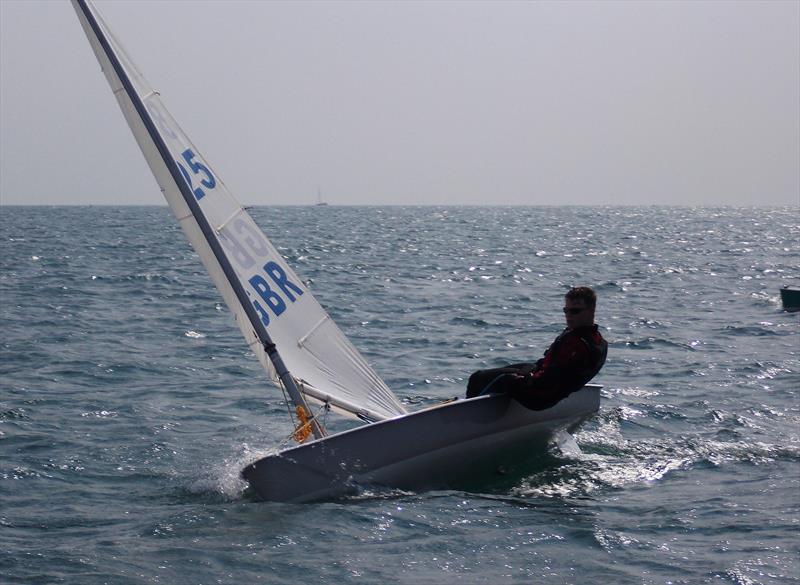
[
  {"x": 320, "y": 202},
  {"x": 301, "y": 348}
]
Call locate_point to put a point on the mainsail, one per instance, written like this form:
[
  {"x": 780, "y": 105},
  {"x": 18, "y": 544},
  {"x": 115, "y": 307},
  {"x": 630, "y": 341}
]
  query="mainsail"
[{"x": 280, "y": 319}]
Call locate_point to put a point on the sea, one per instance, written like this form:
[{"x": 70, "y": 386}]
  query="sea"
[{"x": 129, "y": 403}]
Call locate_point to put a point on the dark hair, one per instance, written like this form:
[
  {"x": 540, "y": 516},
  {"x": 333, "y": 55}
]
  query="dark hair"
[{"x": 582, "y": 293}]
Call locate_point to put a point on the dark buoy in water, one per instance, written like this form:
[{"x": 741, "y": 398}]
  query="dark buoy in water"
[{"x": 790, "y": 297}]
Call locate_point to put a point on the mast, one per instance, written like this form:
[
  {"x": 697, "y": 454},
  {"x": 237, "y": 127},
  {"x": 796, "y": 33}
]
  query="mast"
[{"x": 208, "y": 232}]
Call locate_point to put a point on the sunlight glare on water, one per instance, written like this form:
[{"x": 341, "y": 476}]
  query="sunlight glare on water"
[{"x": 130, "y": 403}]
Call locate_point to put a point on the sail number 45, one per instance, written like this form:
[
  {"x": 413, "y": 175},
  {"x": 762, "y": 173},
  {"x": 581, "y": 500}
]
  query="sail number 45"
[{"x": 206, "y": 178}]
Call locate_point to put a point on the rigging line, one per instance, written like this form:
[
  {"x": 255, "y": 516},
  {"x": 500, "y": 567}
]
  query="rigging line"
[
  {"x": 323, "y": 404},
  {"x": 313, "y": 417},
  {"x": 286, "y": 401},
  {"x": 290, "y": 438},
  {"x": 326, "y": 407},
  {"x": 292, "y": 435}
]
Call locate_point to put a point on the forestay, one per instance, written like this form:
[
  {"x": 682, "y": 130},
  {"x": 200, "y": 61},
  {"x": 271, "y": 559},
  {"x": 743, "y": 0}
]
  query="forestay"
[{"x": 237, "y": 254}]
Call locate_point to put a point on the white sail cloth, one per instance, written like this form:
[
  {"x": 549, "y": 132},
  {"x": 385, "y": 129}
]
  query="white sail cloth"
[{"x": 317, "y": 354}]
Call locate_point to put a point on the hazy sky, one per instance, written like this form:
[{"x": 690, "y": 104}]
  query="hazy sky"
[{"x": 416, "y": 102}]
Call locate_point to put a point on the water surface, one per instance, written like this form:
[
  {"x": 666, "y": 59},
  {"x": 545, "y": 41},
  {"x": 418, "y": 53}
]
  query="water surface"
[{"x": 129, "y": 403}]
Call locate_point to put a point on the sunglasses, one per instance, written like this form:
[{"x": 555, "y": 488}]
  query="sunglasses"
[{"x": 573, "y": 311}]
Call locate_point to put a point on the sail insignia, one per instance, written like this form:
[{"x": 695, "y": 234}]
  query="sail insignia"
[{"x": 269, "y": 302}]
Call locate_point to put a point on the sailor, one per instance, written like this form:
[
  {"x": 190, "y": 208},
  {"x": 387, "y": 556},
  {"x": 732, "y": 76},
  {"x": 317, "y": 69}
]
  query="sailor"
[{"x": 574, "y": 358}]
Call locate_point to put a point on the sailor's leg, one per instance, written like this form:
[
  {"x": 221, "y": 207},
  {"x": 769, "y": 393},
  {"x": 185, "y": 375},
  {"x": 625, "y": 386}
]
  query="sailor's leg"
[
  {"x": 492, "y": 380},
  {"x": 478, "y": 381},
  {"x": 524, "y": 368}
]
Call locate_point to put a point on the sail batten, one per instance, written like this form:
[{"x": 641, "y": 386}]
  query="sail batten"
[
  {"x": 270, "y": 304},
  {"x": 231, "y": 217}
]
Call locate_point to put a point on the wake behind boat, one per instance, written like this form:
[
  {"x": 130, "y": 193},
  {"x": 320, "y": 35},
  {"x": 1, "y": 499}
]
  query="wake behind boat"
[{"x": 301, "y": 348}]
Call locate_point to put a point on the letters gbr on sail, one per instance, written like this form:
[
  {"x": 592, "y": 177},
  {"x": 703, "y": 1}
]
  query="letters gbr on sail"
[{"x": 261, "y": 290}]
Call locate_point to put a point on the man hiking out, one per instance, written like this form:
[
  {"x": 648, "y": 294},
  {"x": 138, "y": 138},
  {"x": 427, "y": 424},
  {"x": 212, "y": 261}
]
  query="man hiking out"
[{"x": 574, "y": 358}]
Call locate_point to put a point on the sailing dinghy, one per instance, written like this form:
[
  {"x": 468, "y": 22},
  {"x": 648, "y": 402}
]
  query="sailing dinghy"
[{"x": 301, "y": 348}]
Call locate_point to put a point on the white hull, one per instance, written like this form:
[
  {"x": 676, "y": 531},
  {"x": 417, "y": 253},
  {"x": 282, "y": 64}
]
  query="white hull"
[{"x": 438, "y": 447}]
